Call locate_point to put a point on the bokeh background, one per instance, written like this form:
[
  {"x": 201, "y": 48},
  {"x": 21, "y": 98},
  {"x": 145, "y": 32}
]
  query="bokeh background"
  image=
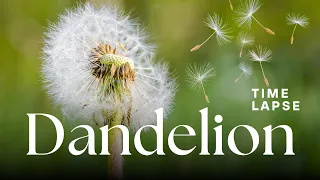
[{"x": 176, "y": 26}]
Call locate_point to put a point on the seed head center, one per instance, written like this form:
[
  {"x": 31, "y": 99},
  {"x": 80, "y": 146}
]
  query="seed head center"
[{"x": 114, "y": 71}]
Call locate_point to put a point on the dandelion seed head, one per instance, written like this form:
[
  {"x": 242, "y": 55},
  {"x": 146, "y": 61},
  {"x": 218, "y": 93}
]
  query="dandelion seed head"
[
  {"x": 221, "y": 29},
  {"x": 98, "y": 59},
  {"x": 198, "y": 75},
  {"x": 245, "y": 39},
  {"x": 260, "y": 54},
  {"x": 295, "y": 18},
  {"x": 243, "y": 15},
  {"x": 245, "y": 68}
]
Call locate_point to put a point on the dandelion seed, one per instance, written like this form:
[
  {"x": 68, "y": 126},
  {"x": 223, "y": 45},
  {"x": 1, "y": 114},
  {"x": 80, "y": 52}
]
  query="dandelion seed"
[
  {"x": 244, "y": 14},
  {"x": 246, "y": 70},
  {"x": 231, "y": 7},
  {"x": 198, "y": 75},
  {"x": 261, "y": 54},
  {"x": 296, "y": 19},
  {"x": 244, "y": 39},
  {"x": 220, "y": 30},
  {"x": 92, "y": 79}
]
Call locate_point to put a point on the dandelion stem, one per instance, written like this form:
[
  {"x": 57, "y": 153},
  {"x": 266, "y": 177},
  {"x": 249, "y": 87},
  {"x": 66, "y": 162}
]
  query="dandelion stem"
[
  {"x": 115, "y": 160},
  {"x": 262, "y": 69},
  {"x": 241, "y": 50},
  {"x": 267, "y": 29},
  {"x": 208, "y": 39},
  {"x": 199, "y": 46},
  {"x": 258, "y": 22},
  {"x": 204, "y": 92},
  {"x": 230, "y": 5},
  {"x": 292, "y": 36},
  {"x": 239, "y": 77},
  {"x": 264, "y": 76}
]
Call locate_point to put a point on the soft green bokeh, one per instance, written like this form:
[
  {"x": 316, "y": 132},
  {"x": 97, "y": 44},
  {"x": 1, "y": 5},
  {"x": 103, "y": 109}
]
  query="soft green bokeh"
[{"x": 176, "y": 26}]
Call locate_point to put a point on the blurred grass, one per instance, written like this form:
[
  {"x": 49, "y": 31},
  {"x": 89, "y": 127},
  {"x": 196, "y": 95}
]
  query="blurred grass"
[{"x": 176, "y": 27}]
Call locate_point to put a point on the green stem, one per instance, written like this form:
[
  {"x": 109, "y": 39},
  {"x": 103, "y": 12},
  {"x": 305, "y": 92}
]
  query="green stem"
[{"x": 115, "y": 160}]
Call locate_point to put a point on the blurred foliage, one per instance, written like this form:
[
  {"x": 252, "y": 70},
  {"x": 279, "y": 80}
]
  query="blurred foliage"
[{"x": 176, "y": 26}]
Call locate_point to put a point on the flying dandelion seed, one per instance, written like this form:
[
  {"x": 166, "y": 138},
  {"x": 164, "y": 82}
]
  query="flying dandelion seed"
[
  {"x": 246, "y": 70},
  {"x": 296, "y": 19},
  {"x": 244, "y": 39},
  {"x": 198, "y": 75},
  {"x": 92, "y": 80},
  {"x": 231, "y": 7},
  {"x": 220, "y": 30},
  {"x": 261, "y": 54},
  {"x": 244, "y": 14}
]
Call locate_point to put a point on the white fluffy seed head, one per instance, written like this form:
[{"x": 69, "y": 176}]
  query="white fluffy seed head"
[
  {"x": 245, "y": 68},
  {"x": 295, "y": 18},
  {"x": 260, "y": 54},
  {"x": 243, "y": 15},
  {"x": 245, "y": 39},
  {"x": 199, "y": 74},
  {"x": 67, "y": 66},
  {"x": 221, "y": 29}
]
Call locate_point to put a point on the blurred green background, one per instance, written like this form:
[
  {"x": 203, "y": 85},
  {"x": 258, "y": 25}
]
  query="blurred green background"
[{"x": 176, "y": 26}]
